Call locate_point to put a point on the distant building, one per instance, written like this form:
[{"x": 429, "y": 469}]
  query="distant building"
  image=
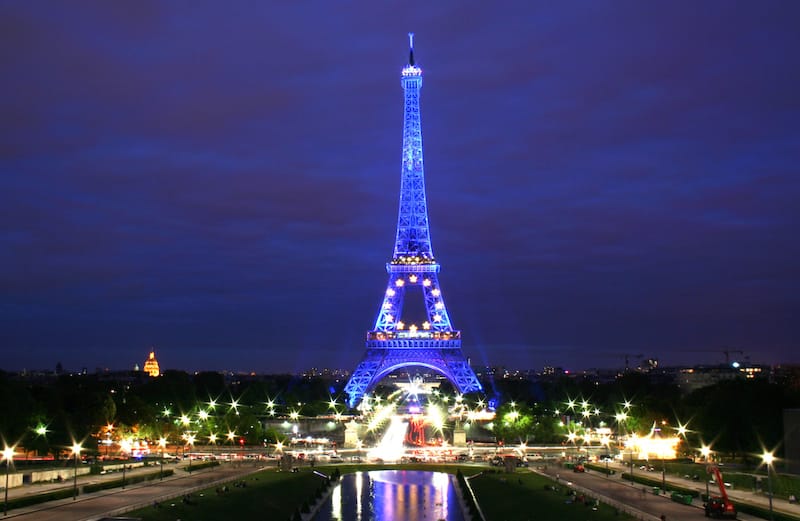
[
  {"x": 151, "y": 365},
  {"x": 692, "y": 378}
]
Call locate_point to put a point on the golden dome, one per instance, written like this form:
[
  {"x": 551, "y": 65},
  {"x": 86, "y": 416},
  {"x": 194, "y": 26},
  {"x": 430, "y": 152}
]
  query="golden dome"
[{"x": 151, "y": 365}]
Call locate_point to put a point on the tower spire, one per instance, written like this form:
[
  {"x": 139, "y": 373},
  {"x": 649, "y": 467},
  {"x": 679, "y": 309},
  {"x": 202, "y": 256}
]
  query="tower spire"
[{"x": 411, "y": 49}]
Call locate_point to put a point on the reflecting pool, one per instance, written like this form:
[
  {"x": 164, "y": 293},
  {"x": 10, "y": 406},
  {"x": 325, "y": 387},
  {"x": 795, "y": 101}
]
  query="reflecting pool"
[{"x": 389, "y": 495}]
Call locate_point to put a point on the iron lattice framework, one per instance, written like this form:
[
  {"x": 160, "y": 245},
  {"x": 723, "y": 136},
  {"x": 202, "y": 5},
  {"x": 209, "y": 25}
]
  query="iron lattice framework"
[{"x": 394, "y": 343}]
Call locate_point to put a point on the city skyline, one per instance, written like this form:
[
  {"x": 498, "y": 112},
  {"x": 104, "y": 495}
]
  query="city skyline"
[{"x": 222, "y": 184}]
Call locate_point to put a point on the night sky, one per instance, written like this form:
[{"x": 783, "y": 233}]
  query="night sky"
[{"x": 220, "y": 180}]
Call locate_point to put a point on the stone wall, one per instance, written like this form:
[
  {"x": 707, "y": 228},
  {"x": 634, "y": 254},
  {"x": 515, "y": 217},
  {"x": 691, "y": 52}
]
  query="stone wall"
[
  {"x": 14, "y": 480},
  {"x": 118, "y": 466},
  {"x": 38, "y": 476}
]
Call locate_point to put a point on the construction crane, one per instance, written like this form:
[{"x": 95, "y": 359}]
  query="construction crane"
[
  {"x": 727, "y": 353},
  {"x": 719, "y": 506},
  {"x": 626, "y": 355}
]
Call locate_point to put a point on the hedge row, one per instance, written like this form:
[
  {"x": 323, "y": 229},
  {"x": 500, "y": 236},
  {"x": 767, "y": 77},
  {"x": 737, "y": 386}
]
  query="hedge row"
[
  {"x": 644, "y": 480},
  {"x": 600, "y": 468},
  {"x": 105, "y": 485},
  {"x": 201, "y": 466},
  {"x": 305, "y": 508},
  {"x": 763, "y": 513},
  {"x": 468, "y": 498},
  {"x": 25, "y": 501}
]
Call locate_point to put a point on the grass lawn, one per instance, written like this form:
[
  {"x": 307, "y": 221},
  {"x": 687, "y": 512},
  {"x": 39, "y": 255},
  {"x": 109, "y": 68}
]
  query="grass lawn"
[
  {"x": 268, "y": 495},
  {"x": 522, "y": 496}
]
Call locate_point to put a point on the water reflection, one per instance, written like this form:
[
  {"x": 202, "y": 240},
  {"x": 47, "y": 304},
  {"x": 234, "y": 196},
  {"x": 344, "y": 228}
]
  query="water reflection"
[{"x": 388, "y": 495}]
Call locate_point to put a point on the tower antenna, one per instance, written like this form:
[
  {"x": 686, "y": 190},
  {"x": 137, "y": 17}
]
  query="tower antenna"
[{"x": 411, "y": 49}]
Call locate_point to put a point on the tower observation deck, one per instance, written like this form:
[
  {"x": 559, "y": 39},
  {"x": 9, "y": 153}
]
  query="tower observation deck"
[{"x": 397, "y": 340}]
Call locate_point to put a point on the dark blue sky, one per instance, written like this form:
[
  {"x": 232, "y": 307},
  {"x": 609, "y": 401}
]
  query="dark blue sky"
[{"x": 220, "y": 180}]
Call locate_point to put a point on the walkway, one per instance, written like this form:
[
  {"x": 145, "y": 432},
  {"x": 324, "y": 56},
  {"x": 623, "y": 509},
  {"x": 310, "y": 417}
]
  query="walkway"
[
  {"x": 641, "y": 497},
  {"x": 108, "y": 502}
]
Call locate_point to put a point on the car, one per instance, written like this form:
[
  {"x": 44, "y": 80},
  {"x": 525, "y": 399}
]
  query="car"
[{"x": 579, "y": 468}]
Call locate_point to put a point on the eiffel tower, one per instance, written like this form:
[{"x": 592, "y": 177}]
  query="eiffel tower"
[{"x": 400, "y": 337}]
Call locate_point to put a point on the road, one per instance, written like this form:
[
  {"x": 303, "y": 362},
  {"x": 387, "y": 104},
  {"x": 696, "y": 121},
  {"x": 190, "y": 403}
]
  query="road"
[
  {"x": 96, "y": 505},
  {"x": 639, "y": 496}
]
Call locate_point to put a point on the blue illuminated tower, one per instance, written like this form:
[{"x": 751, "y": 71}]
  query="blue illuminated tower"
[{"x": 400, "y": 338}]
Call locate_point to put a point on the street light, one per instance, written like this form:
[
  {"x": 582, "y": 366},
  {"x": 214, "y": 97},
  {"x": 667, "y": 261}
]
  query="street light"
[
  {"x": 109, "y": 432},
  {"x": 76, "y": 451},
  {"x": 606, "y": 441},
  {"x": 768, "y": 458},
  {"x": 162, "y": 442},
  {"x": 212, "y": 439},
  {"x": 632, "y": 466},
  {"x": 190, "y": 441},
  {"x": 705, "y": 450},
  {"x": 8, "y": 455}
]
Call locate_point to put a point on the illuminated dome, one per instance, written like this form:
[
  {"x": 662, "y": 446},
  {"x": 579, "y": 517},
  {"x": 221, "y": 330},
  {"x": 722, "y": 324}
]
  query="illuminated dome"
[{"x": 151, "y": 365}]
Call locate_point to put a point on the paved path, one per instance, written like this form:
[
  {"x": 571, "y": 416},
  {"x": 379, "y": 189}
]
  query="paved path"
[
  {"x": 86, "y": 479},
  {"x": 637, "y": 496},
  {"x": 97, "y": 505},
  {"x": 760, "y": 499}
]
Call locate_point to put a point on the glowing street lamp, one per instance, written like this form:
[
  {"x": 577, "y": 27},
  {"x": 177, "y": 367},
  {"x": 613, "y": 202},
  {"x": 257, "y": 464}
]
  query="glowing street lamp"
[
  {"x": 107, "y": 442},
  {"x": 76, "y": 451},
  {"x": 768, "y": 459},
  {"x": 606, "y": 442},
  {"x": 8, "y": 456},
  {"x": 162, "y": 443},
  {"x": 190, "y": 441},
  {"x": 705, "y": 450}
]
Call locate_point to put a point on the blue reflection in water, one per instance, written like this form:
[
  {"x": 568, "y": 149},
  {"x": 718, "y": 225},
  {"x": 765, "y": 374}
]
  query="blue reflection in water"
[{"x": 389, "y": 495}]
